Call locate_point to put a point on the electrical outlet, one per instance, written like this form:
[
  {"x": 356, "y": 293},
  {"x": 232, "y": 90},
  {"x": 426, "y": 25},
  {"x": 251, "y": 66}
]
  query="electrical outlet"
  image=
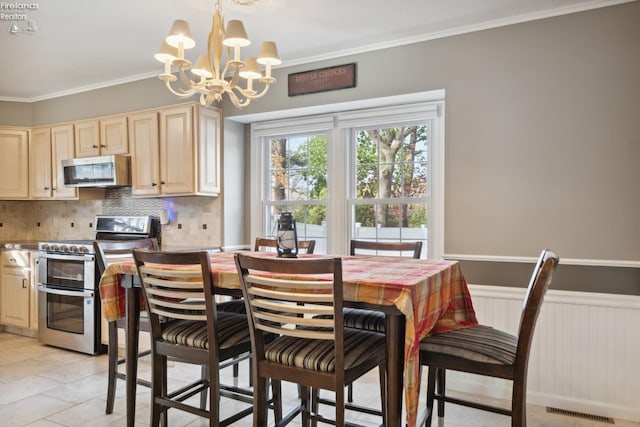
[
  {"x": 179, "y": 226},
  {"x": 204, "y": 226}
]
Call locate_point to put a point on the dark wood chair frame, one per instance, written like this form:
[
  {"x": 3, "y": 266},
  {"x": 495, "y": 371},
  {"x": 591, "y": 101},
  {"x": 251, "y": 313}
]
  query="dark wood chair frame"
[
  {"x": 284, "y": 299},
  {"x": 105, "y": 249},
  {"x": 415, "y": 248},
  {"x": 262, "y": 242},
  {"x": 439, "y": 363},
  {"x": 214, "y": 357}
]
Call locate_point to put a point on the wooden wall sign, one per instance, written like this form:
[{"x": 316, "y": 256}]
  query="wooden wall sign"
[{"x": 323, "y": 79}]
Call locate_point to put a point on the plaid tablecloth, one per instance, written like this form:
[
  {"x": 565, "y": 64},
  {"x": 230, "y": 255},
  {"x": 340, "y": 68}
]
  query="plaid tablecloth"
[{"x": 433, "y": 296}]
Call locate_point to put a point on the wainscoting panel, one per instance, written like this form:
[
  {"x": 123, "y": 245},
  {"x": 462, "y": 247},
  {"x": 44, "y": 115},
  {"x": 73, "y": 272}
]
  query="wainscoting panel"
[{"x": 585, "y": 355}]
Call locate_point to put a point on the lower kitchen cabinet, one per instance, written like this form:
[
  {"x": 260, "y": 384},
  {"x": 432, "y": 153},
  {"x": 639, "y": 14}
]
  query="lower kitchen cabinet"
[{"x": 16, "y": 289}]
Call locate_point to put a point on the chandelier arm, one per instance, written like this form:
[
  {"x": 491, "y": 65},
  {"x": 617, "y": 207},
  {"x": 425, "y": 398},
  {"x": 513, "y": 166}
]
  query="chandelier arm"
[
  {"x": 250, "y": 95},
  {"x": 236, "y": 100},
  {"x": 182, "y": 94},
  {"x": 185, "y": 79}
]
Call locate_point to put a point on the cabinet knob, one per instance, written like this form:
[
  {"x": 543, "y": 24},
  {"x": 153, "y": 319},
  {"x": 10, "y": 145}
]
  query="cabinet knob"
[
  {"x": 103, "y": 146},
  {"x": 46, "y": 188},
  {"x": 94, "y": 146},
  {"x": 24, "y": 283},
  {"x": 153, "y": 184},
  {"x": 162, "y": 183}
]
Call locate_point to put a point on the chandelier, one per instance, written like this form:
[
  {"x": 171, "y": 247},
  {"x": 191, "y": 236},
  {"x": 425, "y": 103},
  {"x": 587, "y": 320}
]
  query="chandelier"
[{"x": 213, "y": 77}]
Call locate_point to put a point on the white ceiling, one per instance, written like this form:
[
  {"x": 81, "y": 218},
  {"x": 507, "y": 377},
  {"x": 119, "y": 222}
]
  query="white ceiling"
[{"x": 82, "y": 45}]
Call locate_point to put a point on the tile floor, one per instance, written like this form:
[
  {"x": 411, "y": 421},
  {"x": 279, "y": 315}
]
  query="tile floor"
[{"x": 42, "y": 386}]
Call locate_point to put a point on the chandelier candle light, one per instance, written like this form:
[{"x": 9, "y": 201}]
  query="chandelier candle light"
[{"x": 213, "y": 78}]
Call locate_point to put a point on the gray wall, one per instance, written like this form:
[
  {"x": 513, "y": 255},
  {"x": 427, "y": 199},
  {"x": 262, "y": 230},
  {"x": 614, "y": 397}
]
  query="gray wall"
[{"x": 542, "y": 137}]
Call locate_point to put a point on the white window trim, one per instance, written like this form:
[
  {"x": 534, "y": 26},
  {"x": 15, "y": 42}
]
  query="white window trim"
[{"x": 337, "y": 125}]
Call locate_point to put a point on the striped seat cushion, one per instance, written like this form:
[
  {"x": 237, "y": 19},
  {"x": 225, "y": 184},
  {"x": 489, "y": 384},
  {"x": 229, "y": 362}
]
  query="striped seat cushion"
[
  {"x": 318, "y": 355},
  {"x": 232, "y": 329},
  {"x": 364, "y": 319},
  {"x": 232, "y": 306},
  {"x": 480, "y": 344}
]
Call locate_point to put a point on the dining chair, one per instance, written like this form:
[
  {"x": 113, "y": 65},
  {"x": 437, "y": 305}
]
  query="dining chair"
[
  {"x": 178, "y": 288},
  {"x": 263, "y": 243},
  {"x": 301, "y": 301},
  {"x": 483, "y": 350},
  {"x": 106, "y": 251},
  {"x": 370, "y": 320}
]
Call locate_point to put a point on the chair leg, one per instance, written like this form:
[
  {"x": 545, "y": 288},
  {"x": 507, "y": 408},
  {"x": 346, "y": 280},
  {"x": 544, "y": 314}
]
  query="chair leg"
[
  {"x": 158, "y": 388},
  {"x": 340, "y": 406},
  {"x": 304, "y": 402},
  {"x": 204, "y": 376},
  {"x": 431, "y": 389},
  {"x": 382, "y": 373},
  {"x": 519, "y": 404},
  {"x": 276, "y": 393},
  {"x": 315, "y": 405},
  {"x": 350, "y": 393},
  {"x": 113, "y": 366},
  {"x": 260, "y": 403},
  {"x": 441, "y": 374}
]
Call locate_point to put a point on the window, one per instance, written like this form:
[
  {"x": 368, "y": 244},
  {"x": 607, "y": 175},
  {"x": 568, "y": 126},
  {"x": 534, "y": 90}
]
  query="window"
[
  {"x": 373, "y": 174},
  {"x": 391, "y": 183}
]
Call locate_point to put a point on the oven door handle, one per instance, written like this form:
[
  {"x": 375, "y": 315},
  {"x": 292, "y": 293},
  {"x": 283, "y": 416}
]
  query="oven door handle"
[
  {"x": 68, "y": 257},
  {"x": 85, "y": 293}
]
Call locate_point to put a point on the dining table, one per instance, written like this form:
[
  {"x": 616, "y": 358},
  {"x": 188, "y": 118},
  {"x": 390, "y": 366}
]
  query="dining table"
[{"x": 419, "y": 297}]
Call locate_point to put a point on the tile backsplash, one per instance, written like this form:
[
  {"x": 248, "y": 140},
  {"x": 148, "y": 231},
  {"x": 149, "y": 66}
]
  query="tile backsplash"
[{"x": 194, "y": 221}]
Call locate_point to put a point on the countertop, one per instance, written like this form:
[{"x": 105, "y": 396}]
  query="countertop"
[{"x": 19, "y": 244}]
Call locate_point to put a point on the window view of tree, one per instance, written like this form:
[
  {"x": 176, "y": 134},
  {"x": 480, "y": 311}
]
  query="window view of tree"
[
  {"x": 392, "y": 165},
  {"x": 298, "y": 173}
]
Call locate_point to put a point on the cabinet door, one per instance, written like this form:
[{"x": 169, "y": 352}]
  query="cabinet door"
[
  {"x": 145, "y": 154},
  {"x": 62, "y": 147},
  {"x": 14, "y": 164},
  {"x": 176, "y": 151},
  {"x": 114, "y": 136},
  {"x": 209, "y": 161},
  {"x": 40, "y": 164},
  {"x": 87, "y": 138},
  {"x": 14, "y": 295}
]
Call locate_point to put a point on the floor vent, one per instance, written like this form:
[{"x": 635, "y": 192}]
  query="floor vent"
[{"x": 580, "y": 415}]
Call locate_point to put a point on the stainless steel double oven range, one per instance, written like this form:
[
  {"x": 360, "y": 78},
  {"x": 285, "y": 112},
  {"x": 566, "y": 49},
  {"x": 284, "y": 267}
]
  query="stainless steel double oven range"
[{"x": 68, "y": 294}]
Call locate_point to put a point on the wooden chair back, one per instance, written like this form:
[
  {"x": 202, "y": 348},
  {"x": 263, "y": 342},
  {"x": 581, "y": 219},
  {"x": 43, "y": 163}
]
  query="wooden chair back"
[
  {"x": 287, "y": 297},
  {"x": 177, "y": 285},
  {"x": 386, "y": 248},
  {"x": 261, "y": 243},
  {"x": 538, "y": 285}
]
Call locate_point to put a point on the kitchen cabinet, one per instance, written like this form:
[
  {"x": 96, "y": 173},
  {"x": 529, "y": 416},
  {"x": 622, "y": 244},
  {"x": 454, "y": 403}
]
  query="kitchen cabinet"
[
  {"x": 14, "y": 164},
  {"x": 103, "y": 136},
  {"x": 175, "y": 151},
  {"x": 49, "y": 146},
  {"x": 15, "y": 288}
]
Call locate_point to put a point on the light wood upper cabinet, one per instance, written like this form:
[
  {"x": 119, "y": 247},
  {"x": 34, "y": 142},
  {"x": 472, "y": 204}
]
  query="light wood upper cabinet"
[
  {"x": 145, "y": 154},
  {"x": 62, "y": 148},
  {"x": 114, "y": 137},
  {"x": 40, "y": 164},
  {"x": 105, "y": 136},
  {"x": 175, "y": 152},
  {"x": 14, "y": 164},
  {"x": 87, "y": 138},
  {"x": 49, "y": 146}
]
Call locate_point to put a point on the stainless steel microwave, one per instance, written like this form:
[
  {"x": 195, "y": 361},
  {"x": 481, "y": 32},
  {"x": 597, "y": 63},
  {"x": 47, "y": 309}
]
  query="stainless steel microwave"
[{"x": 100, "y": 171}]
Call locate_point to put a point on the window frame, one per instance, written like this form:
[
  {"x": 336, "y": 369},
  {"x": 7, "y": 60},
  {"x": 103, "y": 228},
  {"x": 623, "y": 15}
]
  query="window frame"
[{"x": 340, "y": 154}]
